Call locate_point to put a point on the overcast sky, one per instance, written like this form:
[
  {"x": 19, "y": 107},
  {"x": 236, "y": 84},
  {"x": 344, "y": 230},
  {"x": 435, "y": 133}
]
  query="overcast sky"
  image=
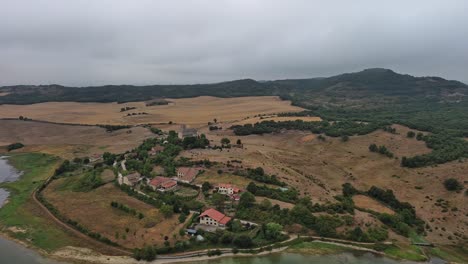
[{"x": 148, "y": 42}]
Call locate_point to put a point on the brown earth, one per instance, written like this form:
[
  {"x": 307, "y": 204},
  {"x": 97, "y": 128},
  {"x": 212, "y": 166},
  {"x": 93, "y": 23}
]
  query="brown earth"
[
  {"x": 198, "y": 110},
  {"x": 69, "y": 141},
  {"x": 92, "y": 210},
  {"x": 319, "y": 168},
  {"x": 366, "y": 202}
]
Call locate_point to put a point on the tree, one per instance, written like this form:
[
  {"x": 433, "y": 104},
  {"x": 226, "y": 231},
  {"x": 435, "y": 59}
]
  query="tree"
[
  {"x": 235, "y": 226},
  {"x": 373, "y": 148},
  {"x": 246, "y": 200},
  {"x": 218, "y": 201},
  {"x": 419, "y": 136},
  {"x": 182, "y": 218},
  {"x": 243, "y": 241},
  {"x": 147, "y": 253},
  {"x": 108, "y": 158},
  {"x": 410, "y": 134},
  {"x": 265, "y": 204},
  {"x": 239, "y": 142},
  {"x": 452, "y": 184},
  {"x": 206, "y": 186},
  {"x": 167, "y": 210},
  {"x": 225, "y": 141},
  {"x": 344, "y": 138},
  {"x": 273, "y": 231},
  {"x": 252, "y": 187}
]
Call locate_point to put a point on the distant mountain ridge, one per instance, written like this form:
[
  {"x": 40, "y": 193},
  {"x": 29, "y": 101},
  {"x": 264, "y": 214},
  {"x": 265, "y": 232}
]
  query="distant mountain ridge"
[{"x": 369, "y": 82}]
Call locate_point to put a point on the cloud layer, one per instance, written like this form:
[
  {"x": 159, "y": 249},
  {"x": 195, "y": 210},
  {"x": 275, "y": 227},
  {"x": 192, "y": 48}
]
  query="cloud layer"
[{"x": 91, "y": 42}]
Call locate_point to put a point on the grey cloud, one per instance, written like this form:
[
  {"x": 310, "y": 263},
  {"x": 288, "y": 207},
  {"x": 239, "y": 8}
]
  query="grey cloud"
[{"x": 145, "y": 42}]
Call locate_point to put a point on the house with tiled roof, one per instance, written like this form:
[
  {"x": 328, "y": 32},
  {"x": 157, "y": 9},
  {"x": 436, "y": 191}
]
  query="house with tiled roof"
[
  {"x": 130, "y": 179},
  {"x": 187, "y": 174},
  {"x": 227, "y": 189},
  {"x": 213, "y": 217},
  {"x": 162, "y": 184}
]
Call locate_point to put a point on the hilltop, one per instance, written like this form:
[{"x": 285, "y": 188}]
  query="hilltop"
[{"x": 426, "y": 103}]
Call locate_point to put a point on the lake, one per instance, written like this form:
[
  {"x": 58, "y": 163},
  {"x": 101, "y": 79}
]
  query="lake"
[
  {"x": 12, "y": 252},
  {"x": 7, "y": 174}
]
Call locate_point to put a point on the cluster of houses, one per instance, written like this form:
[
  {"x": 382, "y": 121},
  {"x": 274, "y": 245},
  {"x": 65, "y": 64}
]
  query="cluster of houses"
[{"x": 184, "y": 174}]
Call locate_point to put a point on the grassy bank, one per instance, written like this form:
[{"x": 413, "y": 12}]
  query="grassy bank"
[
  {"x": 21, "y": 218},
  {"x": 316, "y": 248},
  {"x": 411, "y": 252}
]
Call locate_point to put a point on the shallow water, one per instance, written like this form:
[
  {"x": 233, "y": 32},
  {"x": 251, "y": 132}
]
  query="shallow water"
[{"x": 7, "y": 174}]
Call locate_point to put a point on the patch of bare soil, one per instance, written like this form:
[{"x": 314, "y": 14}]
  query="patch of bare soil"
[
  {"x": 93, "y": 210},
  {"x": 366, "y": 202},
  {"x": 68, "y": 140}
]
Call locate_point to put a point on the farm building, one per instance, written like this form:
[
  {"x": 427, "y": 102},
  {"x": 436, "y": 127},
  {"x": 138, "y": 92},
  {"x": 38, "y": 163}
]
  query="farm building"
[
  {"x": 187, "y": 132},
  {"x": 213, "y": 217},
  {"x": 130, "y": 179},
  {"x": 227, "y": 189},
  {"x": 162, "y": 184},
  {"x": 187, "y": 174}
]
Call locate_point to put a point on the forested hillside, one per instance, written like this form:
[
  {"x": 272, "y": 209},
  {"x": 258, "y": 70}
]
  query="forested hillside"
[{"x": 426, "y": 103}]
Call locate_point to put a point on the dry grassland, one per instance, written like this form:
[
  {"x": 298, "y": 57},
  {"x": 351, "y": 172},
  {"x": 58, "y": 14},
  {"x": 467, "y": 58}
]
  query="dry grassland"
[
  {"x": 194, "y": 111},
  {"x": 319, "y": 168},
  {"x": 3, "y": 93},
  {"x": 366, "y": 202},
  {"x": 92, "y": 210},
  {"x": 214, "y": 178},
  {"x": 69, "y": 141}
]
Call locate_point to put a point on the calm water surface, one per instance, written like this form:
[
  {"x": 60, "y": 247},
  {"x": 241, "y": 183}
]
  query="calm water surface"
[{"x": 7, "y": 174}]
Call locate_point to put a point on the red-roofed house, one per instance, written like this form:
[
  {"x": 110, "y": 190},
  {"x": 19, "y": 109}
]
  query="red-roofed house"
[
  {"x": 214, "y": 218},
  {"x": 162, "y": 184},
  {"x": 228, "y": 189},
  {"x": 187, "y": 174}
]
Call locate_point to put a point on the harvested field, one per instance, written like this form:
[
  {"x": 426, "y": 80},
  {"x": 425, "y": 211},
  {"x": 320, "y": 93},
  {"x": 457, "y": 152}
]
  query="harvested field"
[
  {"x": 366, "y": 202},
  {"x": 67, "y": 140},
  {"x": 199, "y": 110},
  {"x": 92, "y": 210}
]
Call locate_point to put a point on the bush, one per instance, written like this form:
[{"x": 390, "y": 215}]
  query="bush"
[
  {"x": 15, "y": 146},
  {"x": 452, "y": 184}
]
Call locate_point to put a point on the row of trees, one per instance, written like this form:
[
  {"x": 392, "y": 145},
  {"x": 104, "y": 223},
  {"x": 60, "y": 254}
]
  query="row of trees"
[
  {"x": 380, "y": 149},
  {"x": 335, "y": 129},
  {"x": 258, "y": 174},
  {"x": 127, "y": 209},
  {"x": 289, "y": 195}
]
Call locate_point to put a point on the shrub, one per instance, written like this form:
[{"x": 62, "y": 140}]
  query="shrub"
[{"x": 452, "y": 184}]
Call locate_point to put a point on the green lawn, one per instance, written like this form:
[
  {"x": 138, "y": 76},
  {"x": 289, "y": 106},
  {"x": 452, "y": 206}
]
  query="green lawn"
[
  {"x": 317, "y": 248},
  {"x": 454, "y": 254},
  {"x": 22, "y": 213},
  {"x": 413, "y": 253}
]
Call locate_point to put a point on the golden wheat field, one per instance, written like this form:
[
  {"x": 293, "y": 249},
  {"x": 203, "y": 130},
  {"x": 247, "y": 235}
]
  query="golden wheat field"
[{"x": 198, "y": 110}]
